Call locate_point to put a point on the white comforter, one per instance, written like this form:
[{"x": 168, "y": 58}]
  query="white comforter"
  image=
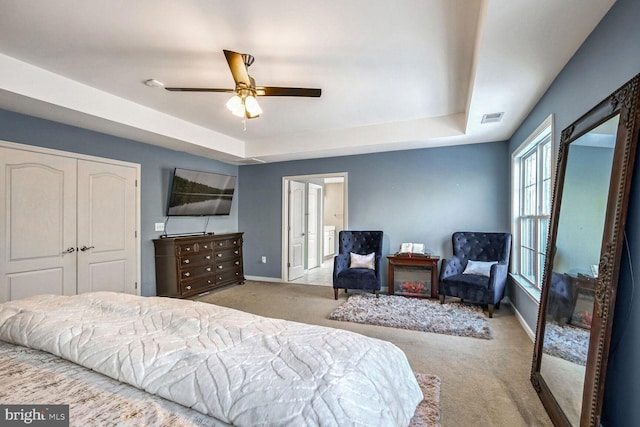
[{"x": 243, "y": 369}]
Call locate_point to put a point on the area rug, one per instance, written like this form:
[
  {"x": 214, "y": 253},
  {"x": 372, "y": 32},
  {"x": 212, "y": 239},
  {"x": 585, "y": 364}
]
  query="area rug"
[
  {"x": 428, "y": 411},
  {"x": 416, "y": 314},
  {"x": 567, "y": 342}
]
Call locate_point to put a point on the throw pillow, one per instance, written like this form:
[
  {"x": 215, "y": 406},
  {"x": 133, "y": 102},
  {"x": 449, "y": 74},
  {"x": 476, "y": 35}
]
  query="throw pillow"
[
  {"x": 481, "y": 268},
  {"x": 363, "y": 261}
]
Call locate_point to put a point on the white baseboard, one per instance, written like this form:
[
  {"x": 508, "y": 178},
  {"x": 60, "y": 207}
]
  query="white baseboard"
[
  {"x": 276, "y": 280},
  {"x": 524, "y": 324},
  {"x": 264, "y": 279}
]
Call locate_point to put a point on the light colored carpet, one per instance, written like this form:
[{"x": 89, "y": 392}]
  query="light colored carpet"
[
  {"x": 428, "y": 411},
  {"x": 415, "y": 314}
]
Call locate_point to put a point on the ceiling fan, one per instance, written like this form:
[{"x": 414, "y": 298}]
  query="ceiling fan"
[{"x": 244, "y": 103}]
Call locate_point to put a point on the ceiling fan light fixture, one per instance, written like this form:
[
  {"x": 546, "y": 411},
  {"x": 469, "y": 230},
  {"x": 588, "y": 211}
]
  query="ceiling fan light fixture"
[
  {"x": 252, "y": 107},
  {"x": 235, "y": 104}
]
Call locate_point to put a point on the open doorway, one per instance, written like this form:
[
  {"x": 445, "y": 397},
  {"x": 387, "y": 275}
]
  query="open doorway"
[{"x": 314, "y": 210}]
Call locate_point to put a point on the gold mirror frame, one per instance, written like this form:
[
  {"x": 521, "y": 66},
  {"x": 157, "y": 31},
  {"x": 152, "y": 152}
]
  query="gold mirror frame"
[{"x": 625, "y": 102}]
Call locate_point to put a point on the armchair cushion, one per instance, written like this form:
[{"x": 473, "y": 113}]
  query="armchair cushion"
[
  {"x": 471, "y": 279},
  {"x": 482, "y": 268},
  {"x": 363, "y": 261},
  {"x": 359, "y": 278}
]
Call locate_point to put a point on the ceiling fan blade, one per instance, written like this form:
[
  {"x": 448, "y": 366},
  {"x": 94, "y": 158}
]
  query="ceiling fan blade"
[
  {"x": 198, "y": 89},
  {"x": 288, "y": 91},
  {"x": 238, "y": 68}
]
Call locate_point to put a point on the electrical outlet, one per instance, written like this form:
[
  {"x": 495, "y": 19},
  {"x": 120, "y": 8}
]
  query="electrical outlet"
[
  {"x": 159, "y": 226},
  {"x": 264, "y": 260}
]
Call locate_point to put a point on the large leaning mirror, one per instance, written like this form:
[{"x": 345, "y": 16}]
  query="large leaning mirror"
[{"x": 584, "y": 246}]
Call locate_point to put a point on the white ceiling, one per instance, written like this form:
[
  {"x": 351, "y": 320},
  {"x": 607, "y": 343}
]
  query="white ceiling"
[{"x": 394, "y": 74}]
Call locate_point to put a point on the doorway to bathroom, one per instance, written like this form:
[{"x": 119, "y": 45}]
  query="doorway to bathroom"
[{"x": 314, "y": 210}]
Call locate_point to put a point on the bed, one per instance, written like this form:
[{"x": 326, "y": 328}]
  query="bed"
[{"x": 119, "y": 359}]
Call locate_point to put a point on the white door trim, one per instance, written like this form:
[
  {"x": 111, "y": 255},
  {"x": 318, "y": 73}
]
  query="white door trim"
[
  {"x": 78, "y": 156},
  {"x": 314, "y": 217},
  {"x": 285, "y": 215}
]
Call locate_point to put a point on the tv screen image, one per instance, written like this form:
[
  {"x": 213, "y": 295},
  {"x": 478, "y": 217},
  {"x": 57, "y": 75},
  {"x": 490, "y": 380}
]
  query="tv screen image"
[{"x": 197, "y": 193}]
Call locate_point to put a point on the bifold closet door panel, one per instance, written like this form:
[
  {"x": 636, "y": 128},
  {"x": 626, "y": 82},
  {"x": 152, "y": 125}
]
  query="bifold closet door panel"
[
  {"x": 38, "y": 224},
  {"x": 106, "y": 227}
]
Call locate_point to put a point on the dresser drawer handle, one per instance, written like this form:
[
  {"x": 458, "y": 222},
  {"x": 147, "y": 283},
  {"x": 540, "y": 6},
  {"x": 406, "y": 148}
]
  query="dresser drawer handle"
[
  {"x": 221, "y": 244},
  {"x": 220, "y": 267},
  {"x": 208, "y": 257},
  {"x": 209, "y": 281},
  {"x": 237, "y": 263},
  {"x": 206, "y": 246},
  {"x": 187, "y": 249},
  {"x": 208, "y": 268},
  {"x": 219, "y": 277},
  {"x": 188, "y": 287},
  {"x": 219, "y": 255},
  {"x": 237, "y": 274},
  {"x": 186, "y": 261},
  {"x": 187, "y": 274},
  {"x": 236, "y": 252}
]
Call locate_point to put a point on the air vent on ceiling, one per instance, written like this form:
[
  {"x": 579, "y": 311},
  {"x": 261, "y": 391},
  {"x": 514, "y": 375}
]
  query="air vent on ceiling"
[{"x": 492, "y": 118}]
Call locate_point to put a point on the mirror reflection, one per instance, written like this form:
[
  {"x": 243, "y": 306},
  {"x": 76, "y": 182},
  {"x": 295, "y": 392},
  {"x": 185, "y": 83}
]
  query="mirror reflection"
[{"x": 575, "y": 266}]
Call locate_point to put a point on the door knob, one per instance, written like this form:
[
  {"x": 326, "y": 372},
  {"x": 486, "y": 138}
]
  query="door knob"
[{"x": 86, "y": 248}]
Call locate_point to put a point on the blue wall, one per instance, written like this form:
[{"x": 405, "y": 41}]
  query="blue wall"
[
  {"x": 157, "y": 166},
  {"x": 607, "y": 59},
  {"x": 413, "y": 196}
]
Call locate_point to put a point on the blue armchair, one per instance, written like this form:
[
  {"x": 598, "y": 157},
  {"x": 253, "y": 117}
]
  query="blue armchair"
[
  {"x": 560, "y": 304},
  {"x": 478, "y": 269},
  {"x": 367, "y": 276}
]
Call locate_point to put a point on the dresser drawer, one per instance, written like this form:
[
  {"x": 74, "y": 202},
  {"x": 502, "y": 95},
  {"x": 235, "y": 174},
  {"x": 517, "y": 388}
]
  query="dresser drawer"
[
  {"x": 229, "y": 275},
  {"x": 227, "y": 264},
  {"x": 222, "y": 254},
  {"x": 196, "y": 286},
  {"x": 227, "y": 243},
  {"x": 196, "y": 259},
  {"x": 193, "y": 247},
  {"x": 195, "y": 271}
]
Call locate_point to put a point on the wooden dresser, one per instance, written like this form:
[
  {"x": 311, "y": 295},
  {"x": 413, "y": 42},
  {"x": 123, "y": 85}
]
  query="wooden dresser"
[{"x": 191, "y": 265}]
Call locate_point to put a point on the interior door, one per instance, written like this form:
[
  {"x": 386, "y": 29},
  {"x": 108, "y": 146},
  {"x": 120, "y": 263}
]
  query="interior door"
[
  {"x": 38, "y": 227},
  {"x": 314, "y": 224},
  {"x": 296, "y": 229},
  {"x": 106, "y": 227}
]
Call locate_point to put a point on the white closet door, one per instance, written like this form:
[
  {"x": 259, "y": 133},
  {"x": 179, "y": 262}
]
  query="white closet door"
[
  {"x": 106, "y": 227},
  {"x": 38, "y": 230}
]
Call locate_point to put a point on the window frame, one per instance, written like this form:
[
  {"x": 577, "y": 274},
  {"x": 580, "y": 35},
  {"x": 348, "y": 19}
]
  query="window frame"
[{"x": 532, "y": 146}]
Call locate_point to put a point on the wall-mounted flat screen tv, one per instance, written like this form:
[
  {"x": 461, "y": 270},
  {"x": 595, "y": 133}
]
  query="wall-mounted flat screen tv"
[{"x": 196, "y": 193}]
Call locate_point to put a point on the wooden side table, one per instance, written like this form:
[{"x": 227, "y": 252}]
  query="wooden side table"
[{"x": 414, "y": 275}]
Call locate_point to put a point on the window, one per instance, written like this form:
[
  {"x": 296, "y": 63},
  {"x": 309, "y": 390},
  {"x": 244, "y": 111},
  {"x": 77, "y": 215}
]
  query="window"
[{"x": 532, "y": 175}]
